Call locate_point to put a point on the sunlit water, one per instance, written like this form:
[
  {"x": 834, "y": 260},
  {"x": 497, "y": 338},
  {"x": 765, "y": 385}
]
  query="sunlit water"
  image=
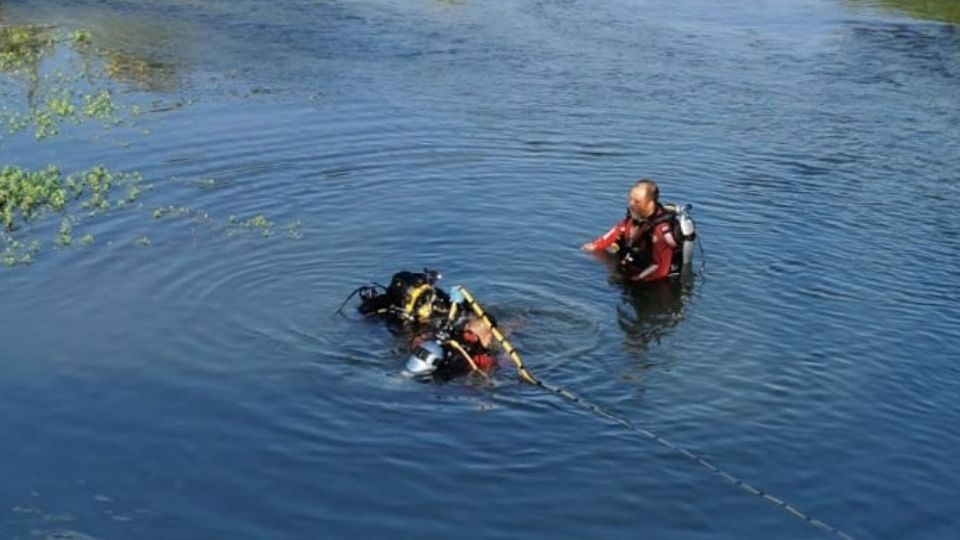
[{"x": 200, "y": 386}]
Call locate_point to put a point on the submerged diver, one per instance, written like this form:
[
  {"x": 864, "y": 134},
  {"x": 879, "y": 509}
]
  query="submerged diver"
[
  {"x": 654, "y": 241},
  {"x": 448, "y": 332}
]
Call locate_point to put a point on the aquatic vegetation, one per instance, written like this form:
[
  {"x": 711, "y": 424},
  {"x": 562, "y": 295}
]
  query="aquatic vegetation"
[
  {"x": 48, "y": 119},
  {"x": 81, "y": 37},
  {"x": 65, "y": 231},
  {"x": 207, "y": 183},
  {"x": 146, "y": 73},
  {"x": 21, "y": 47},
  {"x": 937, "y": 10},
  {"x": 79, "y": 84},
  {"x": 234, "y": 225},
  {"x": 295, "y": 230},
  {"x": 99, "y": 106},
  {"x": 180, "y": 212},
  {"x": 52, "y": 96},
  {"x": 27, "y": 196},
  {"x": 258, "y": 222},
  {"x": 60, "y": 108},
  {"x": 17, "y": 251}
]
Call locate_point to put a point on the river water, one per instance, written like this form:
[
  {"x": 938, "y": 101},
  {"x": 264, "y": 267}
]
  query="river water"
[{"x": 185, "y": 377}]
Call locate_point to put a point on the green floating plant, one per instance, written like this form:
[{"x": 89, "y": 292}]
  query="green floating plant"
[
  {"x": 53, "y": 96},
  {"x": 22, "y": 46},
  {"x": 78, "y": 87},
  {"x": 65, "y": 233},
  {"x": 17, "y": 252},
  {"x": 258, "y": 222},
  {"x": 180, "y": 212},
  {"x": 81, "y": 37},
  {"x": 27, "y": 196},
  {"x": 295, "y": 230},
  {"x": 100, "y": 106}
]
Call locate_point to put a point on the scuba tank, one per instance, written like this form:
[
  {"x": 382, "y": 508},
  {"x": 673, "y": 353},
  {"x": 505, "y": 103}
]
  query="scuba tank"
[
  {"x": 688, "y": 232},
  {"x": 413, "y": 294},
  {"x": 411, "y": 297},
  {"x": 684, "y": 232}
]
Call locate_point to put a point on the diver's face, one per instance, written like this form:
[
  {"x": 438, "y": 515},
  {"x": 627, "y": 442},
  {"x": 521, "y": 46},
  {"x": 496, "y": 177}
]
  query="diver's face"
[{"x": 640, "y": 204}]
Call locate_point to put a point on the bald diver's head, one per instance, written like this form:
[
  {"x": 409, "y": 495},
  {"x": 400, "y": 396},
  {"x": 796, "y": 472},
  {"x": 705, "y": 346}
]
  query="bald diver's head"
[{"x": 643, "y": 199}]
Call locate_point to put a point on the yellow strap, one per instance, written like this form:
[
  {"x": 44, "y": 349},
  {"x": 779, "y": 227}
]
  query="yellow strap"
[
  {"x": 473, "y": 365},
  {"x": 414, "y": 296},
  {"x": 453, "y": 343},
  {"x": 507, "y": 347}
]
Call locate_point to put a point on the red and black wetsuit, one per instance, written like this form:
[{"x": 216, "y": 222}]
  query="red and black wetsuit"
[
  {"x": 455, "y": 365},
  {"x": 647, "y": 248},
  {"x": 481, "y": 355}
]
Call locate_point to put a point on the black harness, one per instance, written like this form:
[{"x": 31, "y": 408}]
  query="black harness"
[
  {"x": 635, "y": 249},
  {"x": 410, "y": 299}
]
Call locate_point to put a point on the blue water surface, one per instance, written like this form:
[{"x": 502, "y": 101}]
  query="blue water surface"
[{"x": 182, "y": 378}]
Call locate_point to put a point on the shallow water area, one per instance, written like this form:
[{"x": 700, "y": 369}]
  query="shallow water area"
[{"x": 172, "y": 366}]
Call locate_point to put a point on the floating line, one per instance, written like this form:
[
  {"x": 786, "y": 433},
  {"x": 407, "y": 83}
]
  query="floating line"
[{"x": 685, "y": 452}]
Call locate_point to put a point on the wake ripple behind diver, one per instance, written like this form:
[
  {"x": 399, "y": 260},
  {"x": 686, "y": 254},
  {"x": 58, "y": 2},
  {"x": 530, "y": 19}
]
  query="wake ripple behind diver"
[{"x": 437, "y": 322}]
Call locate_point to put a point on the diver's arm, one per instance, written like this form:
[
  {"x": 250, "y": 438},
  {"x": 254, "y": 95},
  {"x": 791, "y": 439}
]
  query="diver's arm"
[{"x": 606, "y": 239}]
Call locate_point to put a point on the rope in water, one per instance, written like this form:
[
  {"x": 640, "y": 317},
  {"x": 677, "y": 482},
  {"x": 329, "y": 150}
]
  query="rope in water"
[
  {"x": 526, "y": 376},
  {"x": 749, "y": 488}
]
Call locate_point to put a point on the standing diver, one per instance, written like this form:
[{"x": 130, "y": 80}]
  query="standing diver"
[
  {"x": 449, "y": 333},
  {"x": 654, "y": 241}
]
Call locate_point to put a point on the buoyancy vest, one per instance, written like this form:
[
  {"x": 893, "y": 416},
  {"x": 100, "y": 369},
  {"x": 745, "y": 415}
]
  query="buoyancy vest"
[
  {"x": 635, "y": 245},
  {"x": 410, "y": 297}
]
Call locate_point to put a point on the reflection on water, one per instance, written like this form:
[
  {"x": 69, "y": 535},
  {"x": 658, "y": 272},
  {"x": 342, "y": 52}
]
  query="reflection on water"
[
  {"x": 23, "y": 48},
  {"x": 146, "y": 74},
  {"x": 648, "y": 312},
  {"x": 62, "y": 75}
]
